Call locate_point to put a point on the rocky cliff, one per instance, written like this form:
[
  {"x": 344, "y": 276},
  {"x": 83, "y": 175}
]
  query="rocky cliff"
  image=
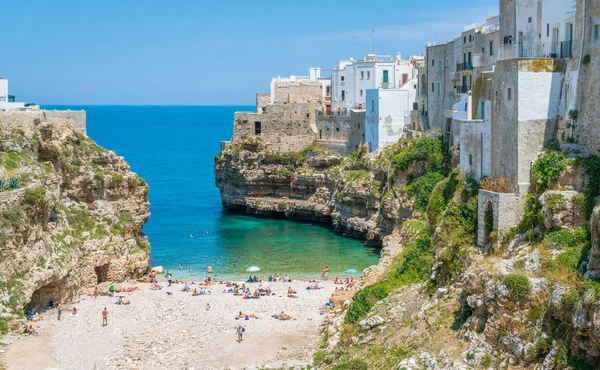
[
  {"x": 71, "y": 214},
  {"x": 441, "y": 302}
]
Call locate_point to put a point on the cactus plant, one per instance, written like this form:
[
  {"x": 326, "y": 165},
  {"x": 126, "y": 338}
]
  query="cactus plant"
[
  {"x": 3, "y": 185},
  {"x": 14, "y": 183}
]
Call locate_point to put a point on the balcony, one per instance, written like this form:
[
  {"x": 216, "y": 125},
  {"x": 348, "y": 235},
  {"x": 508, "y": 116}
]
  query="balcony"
[
  {"x": 463, "y": 67},
  {"x": 536, "y": 50}
]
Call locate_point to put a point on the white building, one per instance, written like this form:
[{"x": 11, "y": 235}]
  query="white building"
[
  {"x": 7, "y": 102},
  {"x": 351, "y": 79},
  {"x": 388, "y": 112}
]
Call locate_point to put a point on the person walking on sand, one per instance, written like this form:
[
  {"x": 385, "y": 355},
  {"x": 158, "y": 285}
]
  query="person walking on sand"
[
  {"x": 104, "y": 317},
  {"x": 326, "y": 272},
  {"x": 96, "y": 291},
  {"x": 59, "y": 311},
  {"x": 170, "y": 278},
  {"x": 240, "y": 333},
  {"x": 112, "y": 289}
]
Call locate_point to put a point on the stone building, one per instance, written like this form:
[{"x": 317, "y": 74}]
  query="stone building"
[{"x": 289, "y": 123}]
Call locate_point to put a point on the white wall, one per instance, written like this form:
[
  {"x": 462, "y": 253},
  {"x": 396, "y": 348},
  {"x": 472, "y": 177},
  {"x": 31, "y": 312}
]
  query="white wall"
[
  {"x": 539, "y": 95},
  {"x": 557, "y": 13},
  {"x": 386, "y": 114},
  {"x": 4, "y": 103}
]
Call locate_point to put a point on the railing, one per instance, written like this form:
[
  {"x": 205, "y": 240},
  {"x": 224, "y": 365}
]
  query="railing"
[
  {"x": 463, "y": 66},
  {"x": 538, "y": 49},
  {"x": 462, "y": 89}
]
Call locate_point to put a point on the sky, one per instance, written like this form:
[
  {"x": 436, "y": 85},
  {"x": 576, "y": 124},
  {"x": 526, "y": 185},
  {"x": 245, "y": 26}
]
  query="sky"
[{"x": 196, "y": 52}]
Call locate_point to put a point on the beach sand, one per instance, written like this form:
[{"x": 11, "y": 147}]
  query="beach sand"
[{"x": 161, "y": 331}]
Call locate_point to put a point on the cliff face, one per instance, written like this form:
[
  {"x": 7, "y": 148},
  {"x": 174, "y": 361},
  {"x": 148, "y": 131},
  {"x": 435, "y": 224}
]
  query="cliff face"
[
  {"x": 71, "y": 214},
  {"x": 440, "y": 301},
  {"x": 357, "y": 195}
]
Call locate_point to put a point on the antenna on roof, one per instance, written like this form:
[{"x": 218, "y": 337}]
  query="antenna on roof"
[{"x": 371, "y": 41}]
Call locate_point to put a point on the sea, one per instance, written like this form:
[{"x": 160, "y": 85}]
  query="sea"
[{"x": 173, "y": 149}]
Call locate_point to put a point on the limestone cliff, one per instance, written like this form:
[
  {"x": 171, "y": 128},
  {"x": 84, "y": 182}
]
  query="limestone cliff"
[
  {"x": 441, "y": 302},
  {"x": 71, "y": 214}
]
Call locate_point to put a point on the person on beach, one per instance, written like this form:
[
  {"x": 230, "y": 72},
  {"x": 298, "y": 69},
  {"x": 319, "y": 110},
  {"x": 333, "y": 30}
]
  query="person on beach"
[
  {"x": 180, "y": 266},
  {"x": 96, "y": 288},
  {"x": 59, "y": 311},
  {"x": 326, "y": 276},
  {"x": 30, "y": 330},
  {"x": 104, "y": 317},
  {"x": 112, "y": 289},
  {"x": 170, "y": 278},
  {"x": 207, "y": 307},
  {"x": 240, "y": 333},
  {"x": 74, "y": 311},
  {"x": 281, "y": 316},
  {"x": 122, "y": 301}
]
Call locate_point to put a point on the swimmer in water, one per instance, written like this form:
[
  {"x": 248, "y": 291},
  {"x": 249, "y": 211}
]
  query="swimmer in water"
[
  {"x": 209, "y": 269},
  {"x": 234, "y": 263},
  {"x": 205, "y": 232},
  {"x": 191, "y": 235}
]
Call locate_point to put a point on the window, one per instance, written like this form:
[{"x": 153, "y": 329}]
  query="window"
[
  {"x": 597, "y": 32},
  {"x": 362, "y": 75},
  {"x": 438, "y": 89},
  {"x": 432, "y": 87},
  {"x": 257, "y": 128},
  {"x": 372, "y": 105},
  {"x": 529, "y": 19},
  {"x": 368, "y": 75},
  {"x": 328, "y": 93},
  {"x": 385, "y": 76},
  {"x": 360, "y": 93},
  {"x": 465, "y": 40},
  {"x": 491, "y": 48},
  {"x": 470, "y": 38},
  {"x": 343, "y": 95},
  {"x": 342, "y": 78},
  {"x": 433, "y": 63},
  {"x": 509, "y": 94},
  {"x": 548, "y": 30},
  {"x": 470, "y": 159}
]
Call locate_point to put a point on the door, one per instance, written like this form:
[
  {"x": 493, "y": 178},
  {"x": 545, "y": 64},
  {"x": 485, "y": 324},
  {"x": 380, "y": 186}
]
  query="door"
[
  {"x": 554, "y": 46},
  {"x": 385, "y": 76}
]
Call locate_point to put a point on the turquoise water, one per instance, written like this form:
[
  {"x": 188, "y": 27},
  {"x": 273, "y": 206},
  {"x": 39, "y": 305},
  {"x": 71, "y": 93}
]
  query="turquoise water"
[{"x": 173, "y": 149}]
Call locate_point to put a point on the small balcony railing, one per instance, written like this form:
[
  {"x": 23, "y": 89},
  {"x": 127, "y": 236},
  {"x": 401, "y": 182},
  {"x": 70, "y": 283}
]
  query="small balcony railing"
[
  {"x": 537, "y": 49},
  {"x": 465, "y": 66},
  {"x": 462, "y": 89}
]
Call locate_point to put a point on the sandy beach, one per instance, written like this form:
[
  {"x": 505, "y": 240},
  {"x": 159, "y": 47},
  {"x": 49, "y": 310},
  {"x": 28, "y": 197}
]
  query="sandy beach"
[{"x": 162, "y": 331}]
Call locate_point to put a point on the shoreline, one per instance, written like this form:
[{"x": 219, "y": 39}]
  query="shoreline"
[{"x": 175, "y": 331}]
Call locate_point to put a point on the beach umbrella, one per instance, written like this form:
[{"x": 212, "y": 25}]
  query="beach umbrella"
[
  {"x": 253, "y": 269},
  {"x": 351, "y": 271}
]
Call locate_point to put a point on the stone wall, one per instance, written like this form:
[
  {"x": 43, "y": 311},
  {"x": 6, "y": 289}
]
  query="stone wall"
[
  {"x": 507, "y": 209},
  {"x": 283, "y": 127},
  {"x": 262, "y": 101},
  {"x": 78, "y": 116},
  {"x": 440, "y": 62},
  {"x": 298, "y": 92},
  {"x": 587, "y": 130},
  {"x": 504, "y": 121},
  {"x": 475, "y": 137},
  {"x": 348, "y": 129}
]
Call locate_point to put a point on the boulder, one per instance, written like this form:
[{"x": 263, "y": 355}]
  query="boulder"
[
  {"x": 562, "y": 209},
  {"x": 158, "y": 269},
  {"x": 371, "y": 322}
]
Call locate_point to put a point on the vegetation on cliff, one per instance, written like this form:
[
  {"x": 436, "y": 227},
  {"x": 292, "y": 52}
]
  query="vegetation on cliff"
[{"x": 69, "y": 208}]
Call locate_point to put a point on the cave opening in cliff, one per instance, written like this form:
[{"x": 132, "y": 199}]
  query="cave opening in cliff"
[
  {"x": 50, "y": 294},
  {"x": 102, "y": 272}
]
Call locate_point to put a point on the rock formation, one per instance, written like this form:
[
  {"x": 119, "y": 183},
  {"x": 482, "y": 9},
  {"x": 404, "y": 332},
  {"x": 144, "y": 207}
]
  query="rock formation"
[
  {"x": 440, "y": 302},
  {"x": 71, "y": 215}
]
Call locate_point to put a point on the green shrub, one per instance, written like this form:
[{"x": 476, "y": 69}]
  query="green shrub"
[
  {"x": 569, "y": 300},
  {"x": 352, "y": 365},
  {"x": 34, "y": 195},
  {"x": 552, "y": 144},
  {"x": 281, "y": 206},
  {"x": 546, "y": 170},
  {"x": 422, "y": 149},
  {"x": 555, "y": 201},
  {"x": 422, "y": 188},
  {"x": 518, "y": 285},
  {"x": 587, "y": 59},
  {"x": 3, "y": 326}
]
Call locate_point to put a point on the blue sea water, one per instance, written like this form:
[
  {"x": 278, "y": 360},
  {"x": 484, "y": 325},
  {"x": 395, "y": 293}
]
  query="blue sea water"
[{"x": 173, "y": 149}]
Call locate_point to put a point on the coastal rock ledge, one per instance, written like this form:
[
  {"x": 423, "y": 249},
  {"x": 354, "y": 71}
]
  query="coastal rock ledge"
[{"x": 71, "y": 215}]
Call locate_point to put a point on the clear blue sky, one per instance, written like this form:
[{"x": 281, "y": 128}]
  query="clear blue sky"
[{"x": 200, "y": 52}]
